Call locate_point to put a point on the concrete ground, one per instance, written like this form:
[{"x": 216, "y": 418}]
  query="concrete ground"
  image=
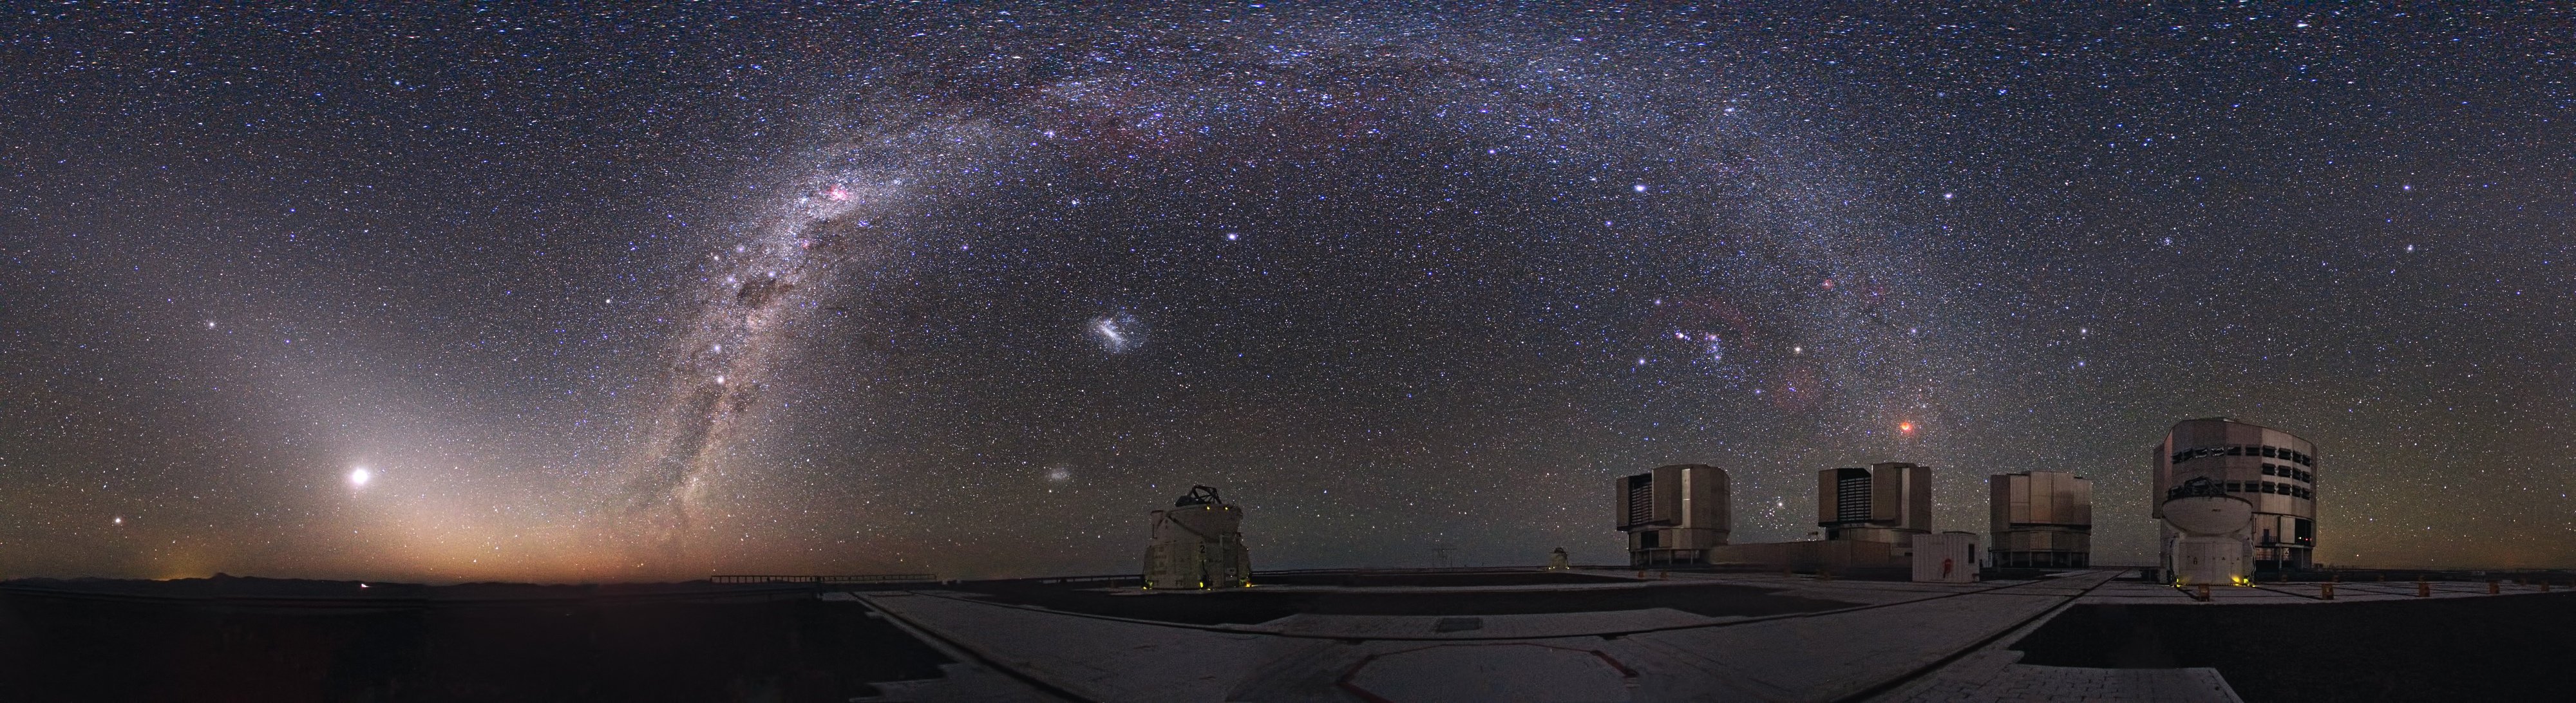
[
  {"x": 1897, "y": 642},
  {"x": 2142, "y": 593}
]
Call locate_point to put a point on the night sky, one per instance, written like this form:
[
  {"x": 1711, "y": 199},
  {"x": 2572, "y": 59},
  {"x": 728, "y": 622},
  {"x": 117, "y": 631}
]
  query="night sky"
[{"x": 649, "y": 294}]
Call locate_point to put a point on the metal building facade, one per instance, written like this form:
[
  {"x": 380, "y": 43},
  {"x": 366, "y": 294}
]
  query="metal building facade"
[
  {"x": 2041, "y": 519},
  {"x": 1887, "y": 502},
  {"x": 1674, "y": 514},
  {"x": 1198, "y": 544},
  {"x": 2275, "y": 471}
]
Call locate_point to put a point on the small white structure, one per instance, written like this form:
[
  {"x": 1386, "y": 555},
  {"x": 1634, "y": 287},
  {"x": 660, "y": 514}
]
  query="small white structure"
[
  {"x": 1948, "y": 557},
  {"x": 1198, "y": 544},
  {"x": 2214, "y": 545}
]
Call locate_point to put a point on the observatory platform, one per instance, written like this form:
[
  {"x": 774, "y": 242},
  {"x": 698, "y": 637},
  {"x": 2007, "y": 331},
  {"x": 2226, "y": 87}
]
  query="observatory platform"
[
  {"x": 1865, "y": 638},
  {"x": 1418, "y": 635},
  {"x": 1766, "y": 637}
]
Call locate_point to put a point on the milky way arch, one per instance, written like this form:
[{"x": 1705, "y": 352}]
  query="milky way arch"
[{"x": 941, "y": 117}]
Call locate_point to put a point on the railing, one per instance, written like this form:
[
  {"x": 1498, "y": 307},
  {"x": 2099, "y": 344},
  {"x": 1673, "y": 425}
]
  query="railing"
[
  {"x": 1090, "y": 579},
  {"x": 861, "y": 578}
]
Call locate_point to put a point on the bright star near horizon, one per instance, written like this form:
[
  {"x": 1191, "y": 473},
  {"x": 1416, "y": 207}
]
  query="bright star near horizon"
[{"x": 359, "y": 476}]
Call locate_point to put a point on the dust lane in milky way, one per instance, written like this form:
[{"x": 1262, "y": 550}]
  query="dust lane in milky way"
[{"x": 751, "y": 298}]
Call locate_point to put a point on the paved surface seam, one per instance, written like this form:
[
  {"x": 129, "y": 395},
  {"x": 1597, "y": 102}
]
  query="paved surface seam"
[
  {"x": 1238, "y": 630},
  {"x": 1911, "y": 676}
]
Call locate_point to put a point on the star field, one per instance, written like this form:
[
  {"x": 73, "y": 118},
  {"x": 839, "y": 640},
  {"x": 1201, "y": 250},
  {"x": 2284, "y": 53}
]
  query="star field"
[{"x": 539, "y": 293}]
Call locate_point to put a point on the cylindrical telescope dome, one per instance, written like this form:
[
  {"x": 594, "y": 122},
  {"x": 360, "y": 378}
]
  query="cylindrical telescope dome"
[{"x": 2208, "y": 516}]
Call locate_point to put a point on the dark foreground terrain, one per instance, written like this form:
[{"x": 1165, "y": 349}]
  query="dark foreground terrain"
[
  {"x": 2502, "y": 648},
  {"x": 277, "y": 640},
  {"x": 231, "y": 639},
  {"x": 1266, "y": 601}
]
